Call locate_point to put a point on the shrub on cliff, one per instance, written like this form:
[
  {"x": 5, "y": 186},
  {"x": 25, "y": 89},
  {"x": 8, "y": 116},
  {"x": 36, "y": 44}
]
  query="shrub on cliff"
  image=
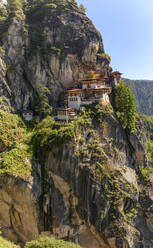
[
  {"x": 82, "y": 8},
  {"x": 150, "y": 150},
  {"x": 15, "y": 154},
  {"x": 7, "y": 244},
  {"x": 42, "y": 106},
  {"x": 73, "y": 2},
  {"x": 125, "y": 106},
  {"x": 50, "y": 242}
]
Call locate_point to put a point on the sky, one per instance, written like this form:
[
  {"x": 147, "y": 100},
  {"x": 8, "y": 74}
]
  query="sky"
[{"x": 126, "y": 27}]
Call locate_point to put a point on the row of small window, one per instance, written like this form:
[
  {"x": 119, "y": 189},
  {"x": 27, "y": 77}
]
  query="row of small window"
[
  {"x": 73, "y": 99},
  {"x": 63, "y": 113}
]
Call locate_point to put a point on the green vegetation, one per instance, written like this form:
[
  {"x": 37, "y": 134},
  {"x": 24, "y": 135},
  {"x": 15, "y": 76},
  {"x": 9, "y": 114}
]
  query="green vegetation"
[
  {"x": 3, "y": 11},
  {"x": 17, "y": 161},
  {"x": 150, "y": 150},
  {"x": 3, "y": 18},
  {"x": 49, "y": 242},
  {"x": 148, "y": 123},
  {"x": 125, "y": 106},
  {"x": 144, "y": 175},
  {"x": 16, "y": 8},
  {"x": 16, "y": 5},
  {"x": 131, "y": 214},
  {"x": 12, "y": 129},
  {"x": 99, "y": 112},
  {"x": 48, "y": 133},
  {"x": 3, "y": 14},
  {"x": 39, "y": 43},
  {"x": 108, "y": 57},
  {"x": 12, "y": 68},
  {"x": 25, "y": 28},
  {"x": 82, "y": 8},
  {"x": 42, "y": 105},
  {"x": 4, "y": 243},
  {"x": 7, "y": 244},
  {"x": 144, "y": 98},
  {"x": 73, "y": 2},
  {"x": 117, "y": 191},
  {"x": 18, "y": 145},
  {"x": 16, "y": 154},
  {"x": 2, "y": 51}
]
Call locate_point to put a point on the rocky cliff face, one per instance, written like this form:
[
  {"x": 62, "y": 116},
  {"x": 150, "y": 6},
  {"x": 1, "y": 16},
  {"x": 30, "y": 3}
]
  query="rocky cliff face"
[
  {"x": 91, "y": 185},
  {"x": 45, "y": 43},
  {"x": 90, "y": 181},
  {"x": 99, "y": 196},
  {"x": 19, "y": 210}
]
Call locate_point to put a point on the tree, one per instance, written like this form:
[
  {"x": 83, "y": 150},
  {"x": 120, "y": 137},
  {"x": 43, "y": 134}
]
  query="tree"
[
  {"x": 43, "y": 106},
  {"x": 125, "y": 106},
  {"x": 82, "y": 8}
]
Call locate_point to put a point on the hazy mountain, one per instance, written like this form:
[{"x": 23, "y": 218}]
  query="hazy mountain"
[{"x": 143, "y": 91}]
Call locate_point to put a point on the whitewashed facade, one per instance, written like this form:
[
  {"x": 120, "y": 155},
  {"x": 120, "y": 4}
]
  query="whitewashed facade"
[
  {"x": 74, "y": 102},
  {"x": 27, "y": 115}
]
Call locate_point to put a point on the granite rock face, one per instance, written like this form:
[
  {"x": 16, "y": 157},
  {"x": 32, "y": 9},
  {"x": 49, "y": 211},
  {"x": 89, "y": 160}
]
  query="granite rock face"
[
  {"x": 19, "y": 212},
  {"x": 106, "y": 208},
  {"x": 46, "y": 44},
  {"x": 94, "y": 190}
]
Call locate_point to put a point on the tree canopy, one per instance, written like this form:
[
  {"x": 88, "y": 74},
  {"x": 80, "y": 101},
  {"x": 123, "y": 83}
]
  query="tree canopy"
[{"x": 125, "y": 106}]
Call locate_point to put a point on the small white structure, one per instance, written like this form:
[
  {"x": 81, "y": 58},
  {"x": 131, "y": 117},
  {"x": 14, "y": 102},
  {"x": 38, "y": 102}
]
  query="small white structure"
[
  {"x": 74, "y": 100},
  {"x": 27, "y": 115},
  {"x": 66, "y": 114}
]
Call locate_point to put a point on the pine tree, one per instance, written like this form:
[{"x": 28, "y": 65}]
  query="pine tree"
[
  {"x": 43, "y": 107},
  {"x": 125, "y": 106}
]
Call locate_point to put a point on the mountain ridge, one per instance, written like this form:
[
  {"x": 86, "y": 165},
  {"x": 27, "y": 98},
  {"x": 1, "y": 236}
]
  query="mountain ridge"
[{"x": 143, "y": 91}]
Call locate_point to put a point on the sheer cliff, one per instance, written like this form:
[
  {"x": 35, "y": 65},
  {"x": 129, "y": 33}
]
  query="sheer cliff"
[
  {"x": 88, "y": 181},
  {"x": 49, "y": 43}
]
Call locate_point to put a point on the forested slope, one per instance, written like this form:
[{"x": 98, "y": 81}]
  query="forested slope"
[{"x": 143, "y": 91}]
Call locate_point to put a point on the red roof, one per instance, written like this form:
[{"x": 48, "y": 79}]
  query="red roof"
[{"x": 74, "y": 90}]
